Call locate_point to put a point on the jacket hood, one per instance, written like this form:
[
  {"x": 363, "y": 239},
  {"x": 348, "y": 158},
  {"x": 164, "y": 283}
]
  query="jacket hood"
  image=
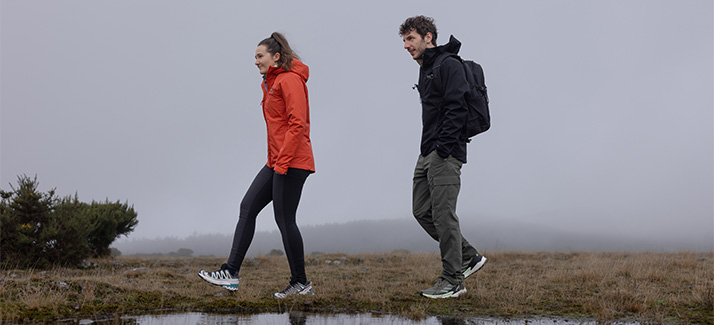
[
  {"x": 453, "y": 46},
  {"x": 298, "y": 67}
]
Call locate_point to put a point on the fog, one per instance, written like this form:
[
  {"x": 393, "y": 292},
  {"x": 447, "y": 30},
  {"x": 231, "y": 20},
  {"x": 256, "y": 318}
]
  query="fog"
[
  {"x": 602, "y": 114},
  {"x": 374, "y": 236}
]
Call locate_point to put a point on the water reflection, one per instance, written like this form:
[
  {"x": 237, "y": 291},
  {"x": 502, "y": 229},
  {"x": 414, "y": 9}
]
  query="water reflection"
[
  {"x": 300, "y": 318},
  {"x": 293, "y": 318}
]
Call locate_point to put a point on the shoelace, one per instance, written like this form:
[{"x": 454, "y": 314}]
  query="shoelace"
[
  {"x": 222, "y": 274},
  {"x": 292, "y": 289}
]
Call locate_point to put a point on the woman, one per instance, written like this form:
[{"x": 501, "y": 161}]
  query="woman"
[{"x": 290, "y": 160}]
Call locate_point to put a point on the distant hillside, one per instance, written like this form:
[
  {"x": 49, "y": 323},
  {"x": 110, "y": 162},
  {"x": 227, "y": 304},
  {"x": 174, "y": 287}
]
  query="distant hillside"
[{"x": 405, "y": 234}]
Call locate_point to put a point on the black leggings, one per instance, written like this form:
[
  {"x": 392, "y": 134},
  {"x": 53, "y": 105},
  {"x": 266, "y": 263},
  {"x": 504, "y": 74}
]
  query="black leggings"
[{"x": 284, "y": 191}]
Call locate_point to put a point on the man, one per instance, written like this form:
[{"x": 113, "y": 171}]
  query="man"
[{"x": 443, "y": 151}]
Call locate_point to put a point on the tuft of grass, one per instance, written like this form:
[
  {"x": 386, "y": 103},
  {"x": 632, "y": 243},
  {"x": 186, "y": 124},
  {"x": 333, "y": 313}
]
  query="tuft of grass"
[{"x": 646, "y": 287}]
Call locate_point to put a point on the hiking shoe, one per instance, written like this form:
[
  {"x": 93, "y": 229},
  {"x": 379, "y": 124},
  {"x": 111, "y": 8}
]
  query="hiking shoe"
[
  {"x": 296, "y": 288},
  {"x": 476, "y": 264},
  {"x": 221, "y": 278},
  {"x": 443, "y": 289}
]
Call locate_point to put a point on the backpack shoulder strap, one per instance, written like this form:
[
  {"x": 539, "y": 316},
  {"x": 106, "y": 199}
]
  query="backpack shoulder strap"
[
  {"x": 440, "y": 60},
  {"x": 443, "y": 56}
]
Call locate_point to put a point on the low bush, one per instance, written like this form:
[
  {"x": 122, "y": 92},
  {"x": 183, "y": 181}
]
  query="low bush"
[{"x": 40, "y": 230}]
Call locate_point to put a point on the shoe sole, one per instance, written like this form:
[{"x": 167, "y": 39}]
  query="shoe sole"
[
  {"x": 446, "y": 295},
  {"x": 225, "y": 284},
  {"x": 476, "y": 267}
]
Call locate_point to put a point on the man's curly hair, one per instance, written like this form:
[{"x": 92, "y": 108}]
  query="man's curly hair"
[{"x": 420, "y": 24}]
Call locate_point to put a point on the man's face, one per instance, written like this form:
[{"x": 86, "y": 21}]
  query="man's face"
[{"x": 416, "y": 45}]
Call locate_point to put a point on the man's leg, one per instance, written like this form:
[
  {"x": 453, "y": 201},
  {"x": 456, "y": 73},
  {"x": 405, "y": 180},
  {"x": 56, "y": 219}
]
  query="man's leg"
[
  {"x": 468, "y": 252},
  {"x": 421, "y": 199},
  {"x": 421, "y": 208},
  {"x": 444, "y": 177}
]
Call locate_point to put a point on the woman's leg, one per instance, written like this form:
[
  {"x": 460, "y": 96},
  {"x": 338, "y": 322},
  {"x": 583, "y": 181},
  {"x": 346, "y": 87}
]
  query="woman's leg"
[
  {"x": 259, "y": 194},
  {"x": 286, "y": 196}
]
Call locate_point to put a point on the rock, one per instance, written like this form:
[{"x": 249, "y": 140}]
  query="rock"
[
  {"x": 85, "y": 264},
  {"x": 328, "y": 262},
  {"x": 336, "y": 262},
  {"x": 222, "y": 293},
  {"x": 62, "y": 284},
  {"x": 136, "y": 272},
  {"x": 364, "y": 268}
]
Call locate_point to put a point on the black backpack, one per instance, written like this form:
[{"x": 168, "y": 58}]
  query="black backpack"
[{"x": 479, "y": 118}]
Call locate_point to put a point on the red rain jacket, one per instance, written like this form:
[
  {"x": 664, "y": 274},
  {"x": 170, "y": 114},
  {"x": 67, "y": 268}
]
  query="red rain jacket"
[{"x": 286, "y": 109}]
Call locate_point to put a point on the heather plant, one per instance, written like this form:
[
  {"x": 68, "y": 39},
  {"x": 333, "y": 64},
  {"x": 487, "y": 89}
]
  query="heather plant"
[{"x": 39, "y": 230}]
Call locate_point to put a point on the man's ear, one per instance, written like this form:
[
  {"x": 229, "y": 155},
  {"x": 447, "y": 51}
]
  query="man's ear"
[{"x": 427, "y": 38}]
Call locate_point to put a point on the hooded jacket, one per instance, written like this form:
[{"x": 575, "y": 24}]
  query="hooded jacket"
[
  {"x": 286, "y": 110},
  {"x": 444, "y": 110}
]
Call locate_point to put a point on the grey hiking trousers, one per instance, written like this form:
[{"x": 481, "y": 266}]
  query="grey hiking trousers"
[{"x": 437, "y": 182}]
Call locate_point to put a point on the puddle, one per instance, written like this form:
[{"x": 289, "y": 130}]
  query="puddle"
[{"x": 299, "y": 318}]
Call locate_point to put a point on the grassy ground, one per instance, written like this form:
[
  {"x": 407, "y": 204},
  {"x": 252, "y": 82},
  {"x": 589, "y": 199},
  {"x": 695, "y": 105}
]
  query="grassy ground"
[{"x": 646, "y": 287}]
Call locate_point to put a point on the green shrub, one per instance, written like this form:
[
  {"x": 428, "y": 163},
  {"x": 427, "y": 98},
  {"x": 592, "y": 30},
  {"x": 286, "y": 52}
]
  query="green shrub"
[
  {"x": 107, "y": 222},
  {"x": 275, "y": 252},
  {"x": 182, "y": 252},
  {"x": 40, "y": 230}
]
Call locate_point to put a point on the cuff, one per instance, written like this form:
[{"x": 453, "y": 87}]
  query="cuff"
[{"x": 281, "y": 170}]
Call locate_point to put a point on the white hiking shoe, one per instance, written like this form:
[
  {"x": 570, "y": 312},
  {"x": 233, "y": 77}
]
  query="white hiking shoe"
[
  {"x": 221, "y": 278},
  {"x": 296, "y": 288}
]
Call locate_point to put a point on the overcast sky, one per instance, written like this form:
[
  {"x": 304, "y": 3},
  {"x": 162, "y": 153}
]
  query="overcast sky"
[{"x": 602, "y": 111}]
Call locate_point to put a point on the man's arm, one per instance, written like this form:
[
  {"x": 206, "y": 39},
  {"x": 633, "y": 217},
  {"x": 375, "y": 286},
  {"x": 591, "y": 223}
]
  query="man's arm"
[{"x": 453, "y": 82}]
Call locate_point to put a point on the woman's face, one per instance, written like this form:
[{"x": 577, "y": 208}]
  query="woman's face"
[{"x": 263, "y": 59}]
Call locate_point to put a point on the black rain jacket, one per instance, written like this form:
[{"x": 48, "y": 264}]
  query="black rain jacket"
[{"x": 443, "y": 91}]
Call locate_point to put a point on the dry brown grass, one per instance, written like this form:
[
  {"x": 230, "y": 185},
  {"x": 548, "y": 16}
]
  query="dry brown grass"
[{"x": 648, "y": 287}]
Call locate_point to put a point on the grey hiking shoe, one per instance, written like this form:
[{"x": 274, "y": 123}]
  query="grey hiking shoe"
[
  {"x": 475, "y": 264},
  {"x": 443, "y": 289},
  {"x": 296, "y": 288},
  {"x": 221, "y": 278}
]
